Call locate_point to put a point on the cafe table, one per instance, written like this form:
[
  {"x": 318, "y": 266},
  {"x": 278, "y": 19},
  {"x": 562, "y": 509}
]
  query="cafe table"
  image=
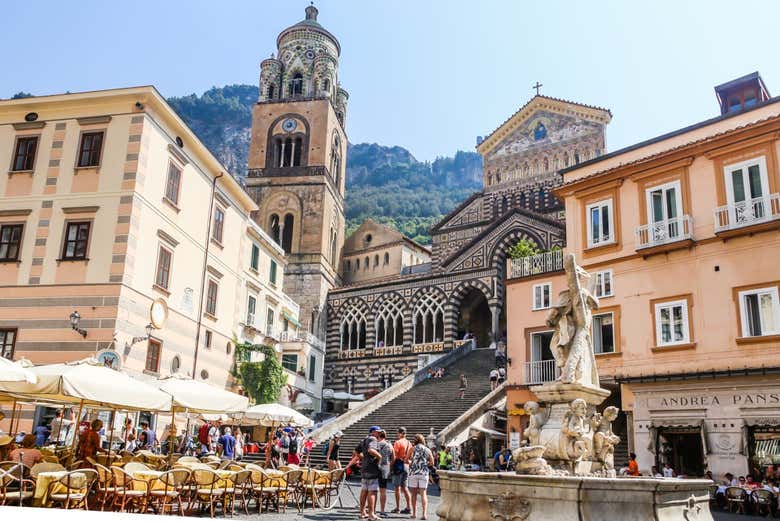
[{"x": 41, "y": 495}]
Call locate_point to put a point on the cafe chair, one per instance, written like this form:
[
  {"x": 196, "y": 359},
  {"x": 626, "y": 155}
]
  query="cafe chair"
[
  {"x": 129, "y": 492},
  {"x": 209, "y": 490},
  {"x": 736, "y": 498},
  {"x": 764, "y": 500},
  {"x": 13, "y": 489},
  {"x": 72, "y": 490},
  {"x": 242, "y": 489},
  {"x": 294, "y": 482},
  {"x": 174, "y": 482},
  {"x": 104, "y": 487}
]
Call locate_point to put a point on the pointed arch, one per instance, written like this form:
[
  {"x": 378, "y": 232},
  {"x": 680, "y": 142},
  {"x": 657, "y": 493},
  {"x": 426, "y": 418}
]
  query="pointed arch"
[
  {"x": 353, "y": 324},
  {"x": 388, "y": 314},
  {"x": 428, "y": 315}
]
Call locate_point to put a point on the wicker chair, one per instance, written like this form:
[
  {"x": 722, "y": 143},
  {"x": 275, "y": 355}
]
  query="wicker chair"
[
  {"x": 242, "y": 489},
  {"x": 209, "y": 490},
  {"x": 135, "y": 466},
  {"x": 736, "y": 498},
  {"x": 333, "y": 490},
  {"x": 294, "y": 482},
  {"x": 267, "y": 491},
  {"x": 72, "y": 489},
  {"x": 13, "y": 489},
  {"x": 105, "y": 488},
  {"x": 764, "y": 501},
  {"x": 129, "y": 491},
  {"x": 174, "y": 483}
]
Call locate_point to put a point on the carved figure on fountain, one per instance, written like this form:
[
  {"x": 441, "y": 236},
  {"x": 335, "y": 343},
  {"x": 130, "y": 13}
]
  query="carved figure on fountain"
[
  {"x": 604, "y": 440},
  {"x": 536, "y": 419},
  {"x": 573, "y": 441}
]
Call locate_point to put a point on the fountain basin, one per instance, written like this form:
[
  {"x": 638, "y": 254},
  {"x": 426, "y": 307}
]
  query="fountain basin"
[{"x": 490, "y": 496}]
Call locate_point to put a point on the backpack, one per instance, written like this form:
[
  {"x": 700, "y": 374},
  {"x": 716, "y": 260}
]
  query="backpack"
[
  {"x": 325, "y": 447},
  {"x": 294, "y": 446},
  {"x": 203, "y": 434},
  {"x": 285, "y": 442}
]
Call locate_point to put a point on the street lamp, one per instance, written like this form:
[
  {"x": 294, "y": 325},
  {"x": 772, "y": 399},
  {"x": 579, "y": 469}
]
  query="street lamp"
[
  {"x": 137, "y": 339},
  {"x": 75, "y": 319}
]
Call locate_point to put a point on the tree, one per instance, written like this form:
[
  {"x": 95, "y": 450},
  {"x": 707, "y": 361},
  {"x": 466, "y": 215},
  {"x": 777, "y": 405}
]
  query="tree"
[
  {"x": 264, "y": 380},
  {"x": 523, "y": 248}
]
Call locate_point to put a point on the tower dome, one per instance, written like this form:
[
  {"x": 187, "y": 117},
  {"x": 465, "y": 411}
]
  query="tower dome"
[{"x": 308, "y": 25}]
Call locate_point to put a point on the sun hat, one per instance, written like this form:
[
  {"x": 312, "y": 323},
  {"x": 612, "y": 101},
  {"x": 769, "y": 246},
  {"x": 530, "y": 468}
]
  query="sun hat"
[{"x": 5, "y": 440}]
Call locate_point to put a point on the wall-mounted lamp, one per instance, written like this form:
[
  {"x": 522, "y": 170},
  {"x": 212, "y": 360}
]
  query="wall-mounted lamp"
[
  {"x": 137, "y": 339},
  {"x": 139, "y": 105},
  {"x": 508, "y": 361},
  {"x": 75, "y": 319}
]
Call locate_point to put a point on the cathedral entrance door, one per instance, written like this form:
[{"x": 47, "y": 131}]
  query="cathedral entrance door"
[{"x": 474, "y": 316}]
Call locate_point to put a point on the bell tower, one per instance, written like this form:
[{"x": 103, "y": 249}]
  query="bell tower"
[{"x": 297, "y": 161}]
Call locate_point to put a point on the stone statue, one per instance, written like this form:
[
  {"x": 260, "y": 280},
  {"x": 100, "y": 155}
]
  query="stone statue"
[
  {"x": 571, "y": 317},
  {"x": 536, "y": 419},
  {"x": 573, "y": 444},
  {"x": 604, "y": 440}
]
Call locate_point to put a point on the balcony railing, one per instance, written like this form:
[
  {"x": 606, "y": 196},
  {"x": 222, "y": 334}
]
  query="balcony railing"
[
  {"x": 747, "y": 213},
  {"x": 664, "y": 232},
  {"x": 540, "y": 372},
  {"x": 536, "y": 264}
]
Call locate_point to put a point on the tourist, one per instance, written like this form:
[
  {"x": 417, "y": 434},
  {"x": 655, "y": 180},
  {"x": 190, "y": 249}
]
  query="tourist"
[
  {"x": 151, "y": 437},
  {"x": 668, "y": 471},
  {"x": 708, "y": 475},
  {"x": 127, "y": 430},
  {"x": 185, "y": 443},
  {"x": 655, "y": 473},
  {"x": 296, "y": 442},
  {"x": 505, "y": 460},
  {"x": 27, "y": 452},
  {"x": 501, "y": 375},
  {"x": 60, "y": 428},
  {"x": 463, "y": 386},
  {"x": 750, "y": 483},
  {"x": 401, "y": 451},
  {"x": 41, "y": 435},
  {"x": 284, "y": 445},
  {"x": 419, "y": 474},
  {"x": 214, "y": 433},
  {"x": 203, "y": 437},
  {"x": 493, "y": 379},
  {"x": 89, "y": 443},
  {"x": 141, "y": 442},
  {"x": 386, "y": 450},
  {"x": 308, "y": 445},
  {"x": 443, "y": 457},
  {"x": 370, "y": 459},
  {"x": 227, "y": 444},
  {"x": 240, "y": 441},
  {"x": 332, "y": 457},
  {"x": 633, "y": 466}
]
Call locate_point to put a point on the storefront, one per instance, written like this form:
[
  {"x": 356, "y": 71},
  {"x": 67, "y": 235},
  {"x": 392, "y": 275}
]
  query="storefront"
[{"x": 722, "y": 423}]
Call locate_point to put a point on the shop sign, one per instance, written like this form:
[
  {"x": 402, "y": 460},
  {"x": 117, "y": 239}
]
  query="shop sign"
[{"x": 686, "y": 401}]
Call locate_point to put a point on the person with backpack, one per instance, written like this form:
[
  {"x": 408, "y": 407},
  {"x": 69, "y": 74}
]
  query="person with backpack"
[
  {"x": 284, "y": 446},
  {"x": 203, "y": 437},
  {"x": 332, "y": 454},
  {"x": 386, "y": 450},
  {"x": 296, "y": 442}
]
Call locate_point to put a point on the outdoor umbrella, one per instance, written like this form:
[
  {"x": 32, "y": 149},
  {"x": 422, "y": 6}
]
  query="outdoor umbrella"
[
  {"x": 272, "y": 414},
  {"x": 16, "y": 372},
  {"x": 200, "y": 397}
]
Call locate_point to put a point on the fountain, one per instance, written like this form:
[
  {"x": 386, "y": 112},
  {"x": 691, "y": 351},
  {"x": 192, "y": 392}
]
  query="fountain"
[{"x": 565, "y": 469}]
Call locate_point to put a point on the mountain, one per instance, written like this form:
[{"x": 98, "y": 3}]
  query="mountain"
[{"x": 385, "y": 183}]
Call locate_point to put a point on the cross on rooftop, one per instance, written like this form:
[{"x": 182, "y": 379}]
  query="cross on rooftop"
[{"x": 537, "y": 87}]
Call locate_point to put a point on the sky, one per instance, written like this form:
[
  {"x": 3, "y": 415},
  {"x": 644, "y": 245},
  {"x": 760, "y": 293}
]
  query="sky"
[{"x": 427, "y": 75}]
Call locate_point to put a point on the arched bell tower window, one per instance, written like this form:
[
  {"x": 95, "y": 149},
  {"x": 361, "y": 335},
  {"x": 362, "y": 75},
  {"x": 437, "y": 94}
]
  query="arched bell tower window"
[
  {"x": 270, "y": 92},
  {"x": 296, "y": 85},
  {"x": 288, "y": 151},
  {"x": 274, "y": 228},
  {"x": 326, "y": 85},
  {"x": 287, "y": 233}
]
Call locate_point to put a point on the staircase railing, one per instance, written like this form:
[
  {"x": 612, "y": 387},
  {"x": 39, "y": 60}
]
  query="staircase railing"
[
  {"x": 365, "y": 408},
  {"x": 471, "y": 415}
]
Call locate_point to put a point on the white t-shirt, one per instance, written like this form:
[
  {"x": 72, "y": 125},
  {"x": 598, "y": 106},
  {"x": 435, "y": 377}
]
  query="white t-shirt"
[
  {"x": 668, "y": 472},
  {"x": 494, "y": 373}
]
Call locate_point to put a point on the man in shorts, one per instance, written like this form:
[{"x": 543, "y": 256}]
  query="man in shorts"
[
  {"x": 370, "y": 459},
  {"x": 386, "y": 450},
  {"x": 400, "y": 470}
]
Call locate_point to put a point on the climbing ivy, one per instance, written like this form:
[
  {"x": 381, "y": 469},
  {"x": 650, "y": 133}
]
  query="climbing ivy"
[{"x": 263, "y": 380}]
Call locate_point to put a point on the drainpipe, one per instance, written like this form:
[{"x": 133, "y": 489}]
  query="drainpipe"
[{"x": 203, "y": 274}]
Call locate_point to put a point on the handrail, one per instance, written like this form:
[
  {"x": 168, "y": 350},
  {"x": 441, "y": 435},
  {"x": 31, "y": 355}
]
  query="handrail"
[{"x": 471, "y": 415}]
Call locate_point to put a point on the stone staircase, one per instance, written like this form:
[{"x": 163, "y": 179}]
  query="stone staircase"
[{"x": 430, "y": 403}]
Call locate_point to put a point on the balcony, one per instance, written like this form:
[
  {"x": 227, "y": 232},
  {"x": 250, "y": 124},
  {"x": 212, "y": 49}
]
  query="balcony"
[
  {"x": 748, "y": 216},
  {"x": 666, "y": 235},
  {"x": 540, "y": 372},
  {"x": 547, "y": 262}
]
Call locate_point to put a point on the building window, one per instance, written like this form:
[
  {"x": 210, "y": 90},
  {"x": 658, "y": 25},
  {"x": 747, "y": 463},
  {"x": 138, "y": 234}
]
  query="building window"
[
  {"x": 10, "y": 242},
  {"x": 387, "y": 258},
  {"x": 287, "y": 233},
  {"x": 347, "y": 266},
  {"x": 211, "y": 298},
  {"x": 270, "y": 92},
  {"x": 312, "y": 368},
  {"x": 671, "y": 323},
  {"x": 332, "y": 249},
  {"x": 24, "y": 154},
  {"x": 604, "y": 333},
  {"x": 254, "y": 261},
  {"x": 219, "y": 223},
  {"x": 153, "y": 348},
  {"x": 600, "y": 223},
  {"x": 207, "y": 338},
  {"x": 269, "y": 322},
  {"x": 7, "y": 343},
  {"x": 76, "y": 241},
  {"x": 603, "y": 284},
  {"x": 89, "y": 151},
  {"x": 542, "y": 294},
  {"x": 251, "y": 307},
  {"x": 760, "y": 312},
  {"x": 290, "y": 362},
  {"x": 275, "y": 229},
  {"x": 163, "y": 276},
  {"x": 353, "y": 329},
  {"x": 173, "y": 183},
  {"x": 429, "y": 319},
  {"x": 272, "y": 274},
  {"x": 389, "y": 325},
  {"x": 296, "y": 85},
  {"x": 747, "y": 184},
  {"x": 366, "y": 262}
]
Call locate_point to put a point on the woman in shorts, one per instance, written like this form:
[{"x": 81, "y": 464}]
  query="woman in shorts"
[{"x": 421, "y": 458}]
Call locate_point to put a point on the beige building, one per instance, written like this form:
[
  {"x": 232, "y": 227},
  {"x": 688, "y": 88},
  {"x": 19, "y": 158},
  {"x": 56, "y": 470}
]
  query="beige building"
[
  {"x": 109, "y": 204},
  {"x": 680, "y": 236},
  {"x": 375, "y": 251}
]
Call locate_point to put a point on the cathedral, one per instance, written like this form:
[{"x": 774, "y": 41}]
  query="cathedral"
[{"x": 377, "y": 299}]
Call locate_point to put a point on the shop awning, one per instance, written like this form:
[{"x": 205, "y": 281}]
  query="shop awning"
[
  {"x": 291, "y": 319},
  {"x": 489, "y": 432}
]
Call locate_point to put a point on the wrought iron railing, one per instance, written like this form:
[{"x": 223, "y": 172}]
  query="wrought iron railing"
[
  {"x": 539, "y": 372},
  {"x": 535, "y": 264},
  {"x": 747, "y": 213},
  {"x": 664, "y": 232}
]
